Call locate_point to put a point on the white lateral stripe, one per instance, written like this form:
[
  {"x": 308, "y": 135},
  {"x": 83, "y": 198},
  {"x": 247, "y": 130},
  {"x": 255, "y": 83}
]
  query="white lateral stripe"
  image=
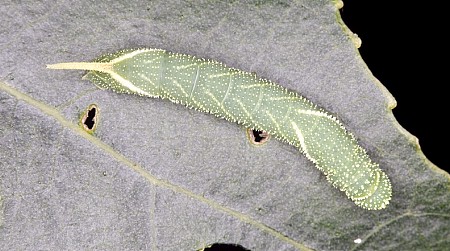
[
  {"x": 315, "y": 113},
  {"x": 321, "y": 114},
  {"x": 129, "y": 55},
  {"x": 301, "y": 139},
  {"x": 128, "y": 84}
]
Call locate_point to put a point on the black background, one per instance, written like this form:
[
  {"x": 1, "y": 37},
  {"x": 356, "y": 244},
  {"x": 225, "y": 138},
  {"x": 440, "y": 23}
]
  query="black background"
[{"x": 405, "y": 48}]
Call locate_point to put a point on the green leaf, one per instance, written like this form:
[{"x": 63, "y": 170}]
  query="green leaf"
[{"x": 157, "y": 176}]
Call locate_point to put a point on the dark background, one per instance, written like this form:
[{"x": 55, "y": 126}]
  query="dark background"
[{"x": 404, "y": 47}]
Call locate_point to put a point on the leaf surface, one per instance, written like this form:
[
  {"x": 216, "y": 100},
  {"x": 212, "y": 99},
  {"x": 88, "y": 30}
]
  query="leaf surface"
[{"x": 157, "y": 176}]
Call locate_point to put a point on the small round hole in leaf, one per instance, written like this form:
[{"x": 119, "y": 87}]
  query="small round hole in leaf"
[
  {"x": 90, "y": 118},
  {"x": 257, "y": 137},
  {"x": 225, "y": 247}
]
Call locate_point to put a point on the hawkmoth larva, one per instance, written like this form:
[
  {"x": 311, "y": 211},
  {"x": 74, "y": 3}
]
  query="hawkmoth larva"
[{"x": 241, "y": 97}]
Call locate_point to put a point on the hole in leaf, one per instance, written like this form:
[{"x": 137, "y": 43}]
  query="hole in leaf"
[
  {"x": 89, "y": 120},
  {"x": 257, "y": 137},
  {"x": 225, "y": 247}
]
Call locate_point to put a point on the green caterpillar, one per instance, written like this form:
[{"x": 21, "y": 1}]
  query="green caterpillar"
[{"x": 242, "y": 97}]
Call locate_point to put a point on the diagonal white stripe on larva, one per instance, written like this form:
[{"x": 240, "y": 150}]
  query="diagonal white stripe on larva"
[
  {"x": 319, "y": 114},
  {"x": 227, "y": 115},
  {"x": 129, "y": 85},
  {"x": 275, "y": 122},
  {"x": 301, "y": 140},
  {"x": 182, "y": 67},
  {"x": 246, "y": 112},
  {"x": 147, "y": 79},
  {"x": 258, "y": 104},
  {"x": 129, "y": 55},
  {"x": 219, "y": 75},
  {"x": 195, "y": 81},
  {"x": 228, "y": 89}
]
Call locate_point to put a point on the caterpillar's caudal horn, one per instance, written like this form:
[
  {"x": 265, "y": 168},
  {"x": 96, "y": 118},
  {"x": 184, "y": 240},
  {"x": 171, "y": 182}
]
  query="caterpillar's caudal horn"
[{"x": 88, "y": 66}]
